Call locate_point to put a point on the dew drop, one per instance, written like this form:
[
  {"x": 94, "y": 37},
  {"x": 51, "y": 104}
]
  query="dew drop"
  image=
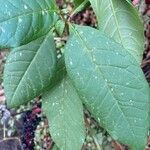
[
  {"x": 2, "y": 29},
  {"x": 43, "y": 12},
  {"x": 59, "y": 56},
  {"x": 131, "y": 102},
  {"x": 6, "y": 5},
  {"x": 106, "y": 80},
  {"x": 130, "y": 34},
  {"x": 25, "y": 7},
  {"x": 71, "y": 63},
  {"x": 98, "y": 119},
  {"x": 19, "y": 20},
  {"x": 96, "y": 77},
  {"x": 60, "y": 112},
  {"x": 57, "y": 134},
  {"x": 112, "y": 89},
  {"x": 81, "y": 32},
  {"x": 94, "y": 59},
  {"x": 82, "y": 140}
]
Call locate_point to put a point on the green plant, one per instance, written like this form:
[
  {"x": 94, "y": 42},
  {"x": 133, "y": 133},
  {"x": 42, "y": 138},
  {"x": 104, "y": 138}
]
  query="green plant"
[{"x": 101, "y": 69}]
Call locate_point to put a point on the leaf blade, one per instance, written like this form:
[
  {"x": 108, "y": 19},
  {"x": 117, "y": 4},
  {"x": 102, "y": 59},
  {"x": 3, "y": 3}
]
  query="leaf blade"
[
  {"x": 64, "y": 111},
  {"x": 24, "y": 21},
  {"x": 25, "y": 66},
  {"x": 121, "y": 21},
  {"x": 111, "y": 85}
]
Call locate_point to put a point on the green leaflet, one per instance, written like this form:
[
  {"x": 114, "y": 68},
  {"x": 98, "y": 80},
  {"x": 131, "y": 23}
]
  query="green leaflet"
[
  {"x": 29, "y": 70},
  {"x": 22, "y": 21},
  {"x": 64, "y": 111},
  {"x": 110, "y": 83},
  {"x": 120, "y": 20}
]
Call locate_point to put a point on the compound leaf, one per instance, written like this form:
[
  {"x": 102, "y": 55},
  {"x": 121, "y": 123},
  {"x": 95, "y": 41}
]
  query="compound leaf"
[
  {"x": 22, "y": 21},
  {"x": 29, "y": 70},
  {"x": 64, "y": 111},
  {"x": 110, "y": 83},
  {"x": 120, "y": 20}
]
